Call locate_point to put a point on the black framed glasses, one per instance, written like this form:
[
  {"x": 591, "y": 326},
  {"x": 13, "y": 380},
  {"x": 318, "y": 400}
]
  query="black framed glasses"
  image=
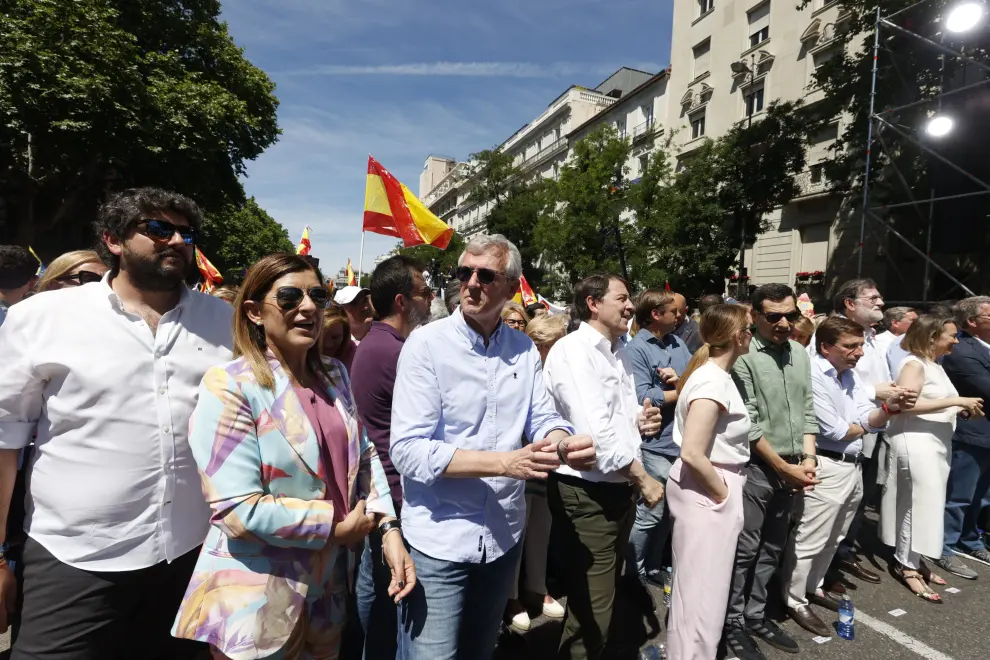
[
  {"x": 774, "y": 317},
  {"x": 289, "y": 297},
  {"x": 161, "y": 230},
  {"x": 485, "y": 275},
  {"x": 80, "y": 278},
  {"x": 518, "y": 324}
]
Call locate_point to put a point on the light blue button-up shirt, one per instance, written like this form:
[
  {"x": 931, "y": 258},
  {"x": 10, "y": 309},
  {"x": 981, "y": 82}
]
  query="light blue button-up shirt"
[
  {"x": 841, "y": 400},
  {"x": 453, "y": 392}
]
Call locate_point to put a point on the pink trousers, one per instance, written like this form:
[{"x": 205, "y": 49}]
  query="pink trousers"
[{"x": 704, "y": 545}]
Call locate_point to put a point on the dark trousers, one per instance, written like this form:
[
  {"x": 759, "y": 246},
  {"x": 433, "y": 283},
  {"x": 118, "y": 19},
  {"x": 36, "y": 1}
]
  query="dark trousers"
[
  {"x": 591, "y": 525},
  {"x": 767, "y": 510},
  {"x": 969, "y": 483},
  {"x": 72, "y": 614}
]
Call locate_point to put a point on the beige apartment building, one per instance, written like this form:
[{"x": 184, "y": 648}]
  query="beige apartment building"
[{"x": 729, "y": 59}]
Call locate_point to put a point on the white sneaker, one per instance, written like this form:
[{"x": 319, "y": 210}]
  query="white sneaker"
[
  {"x": 553, "y": 610},
  {"x": 521, "y": 622}
]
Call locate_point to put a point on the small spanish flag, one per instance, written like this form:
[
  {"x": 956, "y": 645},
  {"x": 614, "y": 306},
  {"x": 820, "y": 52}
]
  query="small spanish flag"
[
  {"x": 351, "y": 279},
  {"x": 304, "y": 245},
  {"x": 211, "y": 276},
  {"x": 525, "y": 296},
  {"x": 392, "y": 209}
]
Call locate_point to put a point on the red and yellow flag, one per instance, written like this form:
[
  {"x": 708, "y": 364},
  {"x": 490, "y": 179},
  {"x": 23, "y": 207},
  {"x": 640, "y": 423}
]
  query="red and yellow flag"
[
  {"x": 393, "y": 210},
  {"x": 525, "y": 296},
  {"x": 211, "y": 276},
  {"x": 351, "y": 279},
  {"x": 304, "y": 245}
]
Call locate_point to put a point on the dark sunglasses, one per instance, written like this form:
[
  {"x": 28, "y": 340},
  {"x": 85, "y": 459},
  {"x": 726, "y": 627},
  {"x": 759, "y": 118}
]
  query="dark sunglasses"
[
  {"x": 485, "y": 275},
  {"x": 290, "y": 297},
  {"x": 160, "y": 230},
  {"x": 80, "y": 278},
  {"x": 774, "y": 317}
]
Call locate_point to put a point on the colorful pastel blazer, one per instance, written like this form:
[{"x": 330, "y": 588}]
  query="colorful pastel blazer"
[{"x": 266, "y": 556}]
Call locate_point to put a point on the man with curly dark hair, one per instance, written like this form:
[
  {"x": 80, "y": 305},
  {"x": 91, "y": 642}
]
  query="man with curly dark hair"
[
  {"x": 106, "y": 377},
  {"x": 17, "y": 275}
]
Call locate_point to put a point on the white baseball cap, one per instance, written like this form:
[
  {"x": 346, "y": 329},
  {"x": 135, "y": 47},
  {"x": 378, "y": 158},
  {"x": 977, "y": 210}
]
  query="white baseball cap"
[{"x": 347, "y": 295}]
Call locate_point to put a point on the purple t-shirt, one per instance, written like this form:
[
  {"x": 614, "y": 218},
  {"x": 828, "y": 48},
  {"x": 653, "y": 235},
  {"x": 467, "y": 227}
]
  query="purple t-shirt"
[{"x": 372, "y": 379}]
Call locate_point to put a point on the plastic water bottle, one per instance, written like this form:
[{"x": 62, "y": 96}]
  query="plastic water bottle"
[
  {"x": 846, "y": 615},
  {"x": 668, "y": 585},
  {"x": 658, "y": 652}
]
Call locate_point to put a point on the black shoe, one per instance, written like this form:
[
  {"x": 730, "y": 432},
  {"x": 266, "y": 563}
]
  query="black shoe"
[
  {"x": 771, "y": 633},
  {"x": 740, "y": 645}
]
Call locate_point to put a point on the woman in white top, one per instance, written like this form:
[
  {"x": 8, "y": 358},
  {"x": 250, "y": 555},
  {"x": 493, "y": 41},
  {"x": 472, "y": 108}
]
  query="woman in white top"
[
  {"x": 920, "y": 440},
  {"x": 705, "y": 487}
]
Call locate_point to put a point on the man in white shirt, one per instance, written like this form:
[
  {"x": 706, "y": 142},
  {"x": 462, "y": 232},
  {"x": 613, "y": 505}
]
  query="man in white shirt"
[
  {"x": 897, "y": 320},
  {"x": 594, "y": 509},
  {"x": 845, "y": 413},
  {"x": 106, "y": 376},
  {"x": 860, "y": 302}
]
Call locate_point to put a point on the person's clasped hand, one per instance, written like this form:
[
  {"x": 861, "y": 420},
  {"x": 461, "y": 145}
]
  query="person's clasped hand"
[{"x": 650, "y": 419}]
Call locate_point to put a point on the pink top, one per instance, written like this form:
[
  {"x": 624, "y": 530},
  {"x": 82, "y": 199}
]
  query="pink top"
[{"x": 332, "y": 436}]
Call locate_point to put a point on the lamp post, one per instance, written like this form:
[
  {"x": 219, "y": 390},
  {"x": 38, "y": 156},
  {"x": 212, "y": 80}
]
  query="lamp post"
[{"x": 749, "y": 70}]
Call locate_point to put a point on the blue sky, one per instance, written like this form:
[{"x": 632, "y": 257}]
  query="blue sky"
[{"x": 402, "y": 79}]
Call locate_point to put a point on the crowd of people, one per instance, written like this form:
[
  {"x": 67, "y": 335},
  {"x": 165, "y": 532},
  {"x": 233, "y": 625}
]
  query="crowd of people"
[{"x": 284, "y": 471}]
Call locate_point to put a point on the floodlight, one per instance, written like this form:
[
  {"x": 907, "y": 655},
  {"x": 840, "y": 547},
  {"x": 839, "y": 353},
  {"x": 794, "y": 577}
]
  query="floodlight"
[
  {"x": 964, "y": 17},
  {"x": 939, "y": 126}
]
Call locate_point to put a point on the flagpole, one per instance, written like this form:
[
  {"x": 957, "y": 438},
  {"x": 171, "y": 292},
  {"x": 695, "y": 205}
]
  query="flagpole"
[{"x": 361, "y": 260}]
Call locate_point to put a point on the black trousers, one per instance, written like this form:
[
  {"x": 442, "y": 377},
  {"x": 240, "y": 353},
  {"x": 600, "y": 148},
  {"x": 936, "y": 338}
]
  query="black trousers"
[{"x": 71, "y": 614}]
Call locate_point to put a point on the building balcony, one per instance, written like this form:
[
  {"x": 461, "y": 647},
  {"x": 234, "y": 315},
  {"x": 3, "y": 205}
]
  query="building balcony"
[
  {"x": 813, "y": 182},
  {"x": 553, "y": 149},
  {"x": 643, "y": 131},
  {"x": 448, "y": 183}
]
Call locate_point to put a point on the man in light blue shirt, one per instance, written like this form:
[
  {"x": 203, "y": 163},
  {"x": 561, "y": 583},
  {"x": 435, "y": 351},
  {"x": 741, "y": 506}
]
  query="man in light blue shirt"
[
  {"x": 468, "y": 394},
  {"x": 845, "y": 413},
  {"x": 655, "y": 358}
]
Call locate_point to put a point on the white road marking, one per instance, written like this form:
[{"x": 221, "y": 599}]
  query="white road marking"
[{"x": 902, "y": 638}]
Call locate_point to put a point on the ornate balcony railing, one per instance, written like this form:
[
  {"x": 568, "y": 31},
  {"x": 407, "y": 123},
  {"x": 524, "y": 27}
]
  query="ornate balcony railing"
[
  {"x": 554, "y": 148},
  {"x": 813, "y": 182}
]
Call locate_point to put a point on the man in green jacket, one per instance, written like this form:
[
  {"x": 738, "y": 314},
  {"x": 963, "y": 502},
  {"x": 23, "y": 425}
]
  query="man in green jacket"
[{"x": 775, "y": 381}]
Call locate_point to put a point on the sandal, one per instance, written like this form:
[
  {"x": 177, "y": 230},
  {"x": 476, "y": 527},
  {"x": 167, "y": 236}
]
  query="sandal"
[
  {"x": 931, "y": 578},
  {"x": 905, "y": 574}
]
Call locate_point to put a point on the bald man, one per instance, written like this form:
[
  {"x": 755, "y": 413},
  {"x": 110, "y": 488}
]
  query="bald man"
[{"x": 687, "y": 328}]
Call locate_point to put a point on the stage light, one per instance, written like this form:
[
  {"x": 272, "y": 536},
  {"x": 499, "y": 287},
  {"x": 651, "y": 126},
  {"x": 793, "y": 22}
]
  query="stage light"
[
  {"x": 939, "y": 126},
  {"x": 964, "y": 17}
]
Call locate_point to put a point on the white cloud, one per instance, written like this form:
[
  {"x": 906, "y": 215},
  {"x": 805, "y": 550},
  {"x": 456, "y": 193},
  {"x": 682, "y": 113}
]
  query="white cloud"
[{"x": 465, "y": 69}]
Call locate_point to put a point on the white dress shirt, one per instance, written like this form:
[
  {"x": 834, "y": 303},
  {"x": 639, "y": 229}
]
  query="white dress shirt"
[
  {"x": 113, "y": 484},
  {"x": 594, "y": 392},
  {"x": 841, "y": 400}
]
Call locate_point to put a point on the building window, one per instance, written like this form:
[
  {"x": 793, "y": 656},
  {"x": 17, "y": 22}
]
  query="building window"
[
  {"x": 705, "y": 6},
  {"x": 754, "y": 100},
  {"x": 828, "y": 134},
  {"x": 817, "y": 173},
  {"x": 701, "y": 53},
  {"x": 759, "y": 25},
  {"x": 647, "y": 111},
  {"x": 620, "y": 126},
  {"x": 697, "y": 125},
  {"x": 644, "y": 161}
]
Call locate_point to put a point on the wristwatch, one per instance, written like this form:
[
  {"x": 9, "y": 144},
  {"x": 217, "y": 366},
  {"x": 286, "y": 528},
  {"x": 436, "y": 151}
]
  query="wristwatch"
[
  {"x": 805, "y": 457},
  {"x": 388, "y": 526}
]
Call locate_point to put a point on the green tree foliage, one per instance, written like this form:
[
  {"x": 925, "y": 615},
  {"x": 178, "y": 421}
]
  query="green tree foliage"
[
  {"x": 681, "y": 234},
  {"x": 517, "y": 202},
  {"x": 439, "y": 261},
  {"x": 115, "y": 93},
  {"x": 754, "y": 165},
  {"x": 236, "y": 237},
  {"x": 584, "y": 232}
]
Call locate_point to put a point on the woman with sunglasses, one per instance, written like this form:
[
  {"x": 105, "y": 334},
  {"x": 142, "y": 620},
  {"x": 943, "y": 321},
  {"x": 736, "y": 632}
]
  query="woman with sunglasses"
[
  {"x": 514, "y": 315},
  {"x": 292, "y": 480},
  {"x": 72, "y": 269},
  {"x": 705, "y": 487}
]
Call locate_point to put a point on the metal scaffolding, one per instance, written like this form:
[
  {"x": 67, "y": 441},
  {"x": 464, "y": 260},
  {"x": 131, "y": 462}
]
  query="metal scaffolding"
[{"x": 880, "y": 121}]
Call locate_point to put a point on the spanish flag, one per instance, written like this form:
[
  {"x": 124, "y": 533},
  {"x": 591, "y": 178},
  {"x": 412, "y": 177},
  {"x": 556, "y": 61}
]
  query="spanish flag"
[
  {"x": 525, "y": 296},
  {"x": 304, "y": 245},
  {"x": 351, "y": 280},
  {"x": 211, "y": 276},
  {"x": 392, "y": 209}
]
